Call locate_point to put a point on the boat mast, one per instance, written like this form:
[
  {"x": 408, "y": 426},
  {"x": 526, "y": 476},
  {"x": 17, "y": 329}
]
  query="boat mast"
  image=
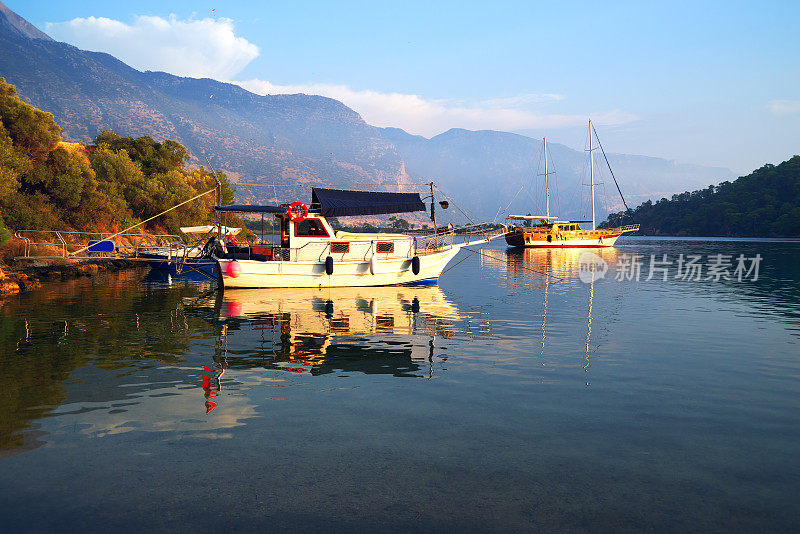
[
  {"x": 591, "y": 170},
  {"x": 546, "y": 179},
  {"x": 546, "y": 184}
]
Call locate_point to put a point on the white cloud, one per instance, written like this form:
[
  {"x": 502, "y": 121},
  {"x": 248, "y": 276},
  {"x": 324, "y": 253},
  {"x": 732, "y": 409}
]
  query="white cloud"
[
  {"x": 784, "y": 107},
  {"x": 210, "y": 48},
  {"x": 197, "y": 48},
  {"x": 429, "y": 117}
]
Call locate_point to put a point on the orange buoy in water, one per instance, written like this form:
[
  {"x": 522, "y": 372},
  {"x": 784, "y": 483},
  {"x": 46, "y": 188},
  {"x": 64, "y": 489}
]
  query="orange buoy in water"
[{"x": 234, "y": 269}]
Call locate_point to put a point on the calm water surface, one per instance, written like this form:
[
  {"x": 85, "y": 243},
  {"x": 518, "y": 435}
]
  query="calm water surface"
[{"x": 500, "y": 400}]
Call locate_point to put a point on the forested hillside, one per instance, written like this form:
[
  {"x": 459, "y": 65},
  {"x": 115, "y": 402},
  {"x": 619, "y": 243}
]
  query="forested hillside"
[
  {"x": 108, "y": 185},
  {"x": 765, "y": 203}
]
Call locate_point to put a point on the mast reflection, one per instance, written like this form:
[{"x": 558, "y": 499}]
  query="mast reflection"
[
  {"x": 589, "y": 332},
  {"x": 563, "y": 272}
]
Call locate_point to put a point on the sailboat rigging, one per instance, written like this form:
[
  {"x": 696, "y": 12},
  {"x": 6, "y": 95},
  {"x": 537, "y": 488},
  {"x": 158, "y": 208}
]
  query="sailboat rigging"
[{"x": 548, "y": 231}]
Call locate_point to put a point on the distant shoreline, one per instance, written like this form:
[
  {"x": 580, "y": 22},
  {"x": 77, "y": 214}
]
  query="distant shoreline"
[{"x": 715, "y": 238}]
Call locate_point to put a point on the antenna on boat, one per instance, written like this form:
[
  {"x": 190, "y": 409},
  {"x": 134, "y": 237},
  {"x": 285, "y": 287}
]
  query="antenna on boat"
[{"x": 219, "y": 196}]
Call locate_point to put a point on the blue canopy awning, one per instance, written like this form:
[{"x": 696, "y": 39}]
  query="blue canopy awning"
[{"x": 340, "y": 202}]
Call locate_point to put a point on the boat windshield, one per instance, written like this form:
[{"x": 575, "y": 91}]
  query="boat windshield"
[{"x": 310, "y": 228}]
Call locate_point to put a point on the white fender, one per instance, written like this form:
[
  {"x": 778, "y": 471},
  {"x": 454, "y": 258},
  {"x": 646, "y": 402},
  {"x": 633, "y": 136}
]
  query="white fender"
[{"x": 373, "y": 264}]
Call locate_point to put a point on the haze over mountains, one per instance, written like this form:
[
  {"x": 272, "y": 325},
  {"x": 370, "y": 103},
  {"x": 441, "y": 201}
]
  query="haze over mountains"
[{"x": 306, "y": 139}]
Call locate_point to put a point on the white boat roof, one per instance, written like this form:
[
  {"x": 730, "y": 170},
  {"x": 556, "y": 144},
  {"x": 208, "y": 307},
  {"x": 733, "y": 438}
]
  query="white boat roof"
[{"x": 209, "y": 228}]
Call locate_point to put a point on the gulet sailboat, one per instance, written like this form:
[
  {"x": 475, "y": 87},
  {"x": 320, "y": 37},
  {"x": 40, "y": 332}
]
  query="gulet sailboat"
[{"x": 549, "y": 231}]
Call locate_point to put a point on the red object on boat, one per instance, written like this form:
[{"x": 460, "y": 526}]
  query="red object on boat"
[
  {"x": 234, "y": 269},
  {"x": 266, "y": 251},
  {"x": 297, "y": 211}
]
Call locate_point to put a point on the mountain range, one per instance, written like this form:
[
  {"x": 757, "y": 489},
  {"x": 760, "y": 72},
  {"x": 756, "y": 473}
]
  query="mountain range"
[{"x": 306, "y": 139}]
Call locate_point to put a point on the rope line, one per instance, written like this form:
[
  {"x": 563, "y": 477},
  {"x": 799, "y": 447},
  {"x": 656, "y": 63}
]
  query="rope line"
[
  {"x": 329, "y": 185},
  {"x": 456, "y": 265},
  {"x": 147, "y": 220},
  {"x": 454, "y": 204},
  {"x": 609, "y": 168},
  {"x": 513, "y": 198},
  {"x": 518, "y": 266}
]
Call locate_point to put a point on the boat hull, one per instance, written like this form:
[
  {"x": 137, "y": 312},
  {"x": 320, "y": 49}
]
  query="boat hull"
[
  {"x": 162, "y": 262},
  {"x": 386, "y": 272},
  {"x": 522, "y": 240},
  {"x": 528, "y": 237}
]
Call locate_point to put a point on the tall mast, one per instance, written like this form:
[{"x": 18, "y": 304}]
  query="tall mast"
[
  {"x": 591, "y": 170},
  {"x": 546, "y": 183},
  {"x": 546, "y": 178}
]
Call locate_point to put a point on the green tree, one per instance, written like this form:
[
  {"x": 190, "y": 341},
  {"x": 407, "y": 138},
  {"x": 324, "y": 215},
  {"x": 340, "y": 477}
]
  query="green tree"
[
  {"x": 29, "y": 128},
  {"x": 763, "y": 203},
  {"x": 45, "y": 184}
]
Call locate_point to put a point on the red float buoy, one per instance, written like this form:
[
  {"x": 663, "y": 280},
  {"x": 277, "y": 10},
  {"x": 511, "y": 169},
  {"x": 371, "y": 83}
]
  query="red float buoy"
[{"x": 233, "y": 269}]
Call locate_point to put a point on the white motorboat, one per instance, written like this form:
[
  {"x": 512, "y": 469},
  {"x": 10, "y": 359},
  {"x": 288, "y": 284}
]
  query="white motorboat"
[{"x": 312, "y": 254}]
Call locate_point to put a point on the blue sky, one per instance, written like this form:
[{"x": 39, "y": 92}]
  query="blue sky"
[{"x": 713, "y": 83}]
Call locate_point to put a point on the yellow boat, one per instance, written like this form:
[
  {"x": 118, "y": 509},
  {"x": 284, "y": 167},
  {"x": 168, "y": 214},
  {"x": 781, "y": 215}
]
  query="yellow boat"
[{"x": 547, "y": 231}]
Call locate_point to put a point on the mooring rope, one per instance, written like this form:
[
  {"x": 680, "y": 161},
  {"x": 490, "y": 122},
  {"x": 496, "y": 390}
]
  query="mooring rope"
[
  {"x": 506, "y": 261},
  {"x": 146, "y": 220},
  {"x": 456, "y": 265}
]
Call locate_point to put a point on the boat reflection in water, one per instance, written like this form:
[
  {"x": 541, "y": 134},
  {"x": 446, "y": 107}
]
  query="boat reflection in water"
[
  {"x": 528, "y": 265},
  {"x": 556, "y": 271},
  {"x": 573, "y": 267},
  {"x": 375, "y": 330}
]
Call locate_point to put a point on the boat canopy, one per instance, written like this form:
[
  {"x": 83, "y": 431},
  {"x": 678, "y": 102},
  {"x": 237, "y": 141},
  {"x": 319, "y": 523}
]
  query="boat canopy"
[
  {"x": 250, "y": 208},
  {"x": 208, "y": 228},
  {"x": 340, "y": 202}
]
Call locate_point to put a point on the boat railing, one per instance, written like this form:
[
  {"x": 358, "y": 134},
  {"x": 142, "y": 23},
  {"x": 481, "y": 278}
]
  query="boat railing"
[
  {"x": 65, "y": 244},
  {"x": 434, "y": 242},
  {"x": 480, "y": 232},
  {"x": 629, "y": 228},
  {"x": 363, "y": 249}
]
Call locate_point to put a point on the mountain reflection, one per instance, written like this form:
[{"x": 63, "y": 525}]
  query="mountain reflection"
[{"x": 377, "y": 330}]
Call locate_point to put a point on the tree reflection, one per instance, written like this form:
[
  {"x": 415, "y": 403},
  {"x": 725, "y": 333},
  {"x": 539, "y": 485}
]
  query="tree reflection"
[{"x": 110, "y": 322}]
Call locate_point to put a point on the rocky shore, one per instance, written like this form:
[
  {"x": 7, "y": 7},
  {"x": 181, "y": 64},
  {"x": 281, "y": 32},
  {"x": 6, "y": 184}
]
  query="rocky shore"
[{"x": 16, "y": 279}]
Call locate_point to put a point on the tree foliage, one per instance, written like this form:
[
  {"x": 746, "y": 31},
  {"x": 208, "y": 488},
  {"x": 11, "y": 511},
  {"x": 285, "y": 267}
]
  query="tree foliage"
[
  {"x": 106, "y": 186},
  {"x": 765, "y": 203}
]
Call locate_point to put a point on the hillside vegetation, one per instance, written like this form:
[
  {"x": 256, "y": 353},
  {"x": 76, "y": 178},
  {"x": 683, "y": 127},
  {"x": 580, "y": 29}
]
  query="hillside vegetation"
[
  {"x": 106, "y": 186},
  {"x": 765, "y": 203}
]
